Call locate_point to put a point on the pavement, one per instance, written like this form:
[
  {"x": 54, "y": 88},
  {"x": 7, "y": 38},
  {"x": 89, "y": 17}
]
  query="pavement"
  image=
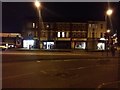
[
  {"x": 73, "y": 51},
  {"x": 15, "y": 55}
]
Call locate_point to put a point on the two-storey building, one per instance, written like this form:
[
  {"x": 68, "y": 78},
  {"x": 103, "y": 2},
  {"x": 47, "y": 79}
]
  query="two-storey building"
[
  {"x": 96, "y": 35},
  {"x": 65, "y": 35}
]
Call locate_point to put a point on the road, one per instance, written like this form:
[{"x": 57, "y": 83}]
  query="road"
[{"x": 58, "y": 69}]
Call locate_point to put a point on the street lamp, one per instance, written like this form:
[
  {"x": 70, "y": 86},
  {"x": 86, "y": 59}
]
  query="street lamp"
[
  {"x": 108, "y": 13},
  {"x": 38, "y": 6},
  {"x": 107, "y": 36},
  {"x": 108, "y": 31}
]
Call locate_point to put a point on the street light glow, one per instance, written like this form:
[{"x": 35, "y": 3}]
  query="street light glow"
[
  {"x": 109, "y": 12},
  {"x": 37, "y": 4},
  {"x": 108, "y": 31},
  {"x": 115, "y": 35}
]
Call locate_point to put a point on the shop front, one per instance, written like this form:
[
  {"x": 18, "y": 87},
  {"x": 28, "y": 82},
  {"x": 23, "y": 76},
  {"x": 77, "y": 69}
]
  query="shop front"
[
  {"x": 63, "y": 45},
  {"x": 48, "y": 45},
  {"x": 80, "y": 45},
  {"x": 28, "y": 44},
  {"x": 101, "y": 45}
]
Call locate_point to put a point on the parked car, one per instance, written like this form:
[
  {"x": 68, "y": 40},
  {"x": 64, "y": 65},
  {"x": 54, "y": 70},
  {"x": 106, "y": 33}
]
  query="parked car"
[
  {"x": 6, "y": 46},
  {"x": 3, "y": 47}
]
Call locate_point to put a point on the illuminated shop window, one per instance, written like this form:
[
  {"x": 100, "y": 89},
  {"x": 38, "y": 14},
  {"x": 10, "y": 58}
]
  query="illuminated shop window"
[
  {"x": 28, "y": 43},
  {"x": 101, "y": 46},
  {"x": 80, "y": 45},
  {"x": 48, "y": 45}
]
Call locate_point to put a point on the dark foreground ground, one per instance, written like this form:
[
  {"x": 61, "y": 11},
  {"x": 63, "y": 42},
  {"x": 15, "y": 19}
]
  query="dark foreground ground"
[{"x": 25, "y": 69}]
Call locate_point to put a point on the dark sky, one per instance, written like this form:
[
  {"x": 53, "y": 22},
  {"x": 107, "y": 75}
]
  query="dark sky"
[{"x": 14, "y": 13}]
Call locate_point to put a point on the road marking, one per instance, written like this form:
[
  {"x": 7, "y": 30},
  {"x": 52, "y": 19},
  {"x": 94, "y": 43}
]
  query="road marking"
[
  {"x": 16, "y": 76},
  {"x": 38, "y": 61},
  {"x": 81, "y": 67},
  {"x": 87, "y": 67},
  {"x": 20, "y": 75},
  {"x": 44, "y": 72},
  {"x": 107, "y": 83}
]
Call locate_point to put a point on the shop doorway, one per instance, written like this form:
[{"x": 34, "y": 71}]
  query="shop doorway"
[{"x": 48, "y": 45}]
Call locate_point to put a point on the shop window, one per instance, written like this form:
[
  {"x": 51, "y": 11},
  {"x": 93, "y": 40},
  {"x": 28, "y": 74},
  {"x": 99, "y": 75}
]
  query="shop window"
[
  {"x": 80, "y": 45},
  {"x": 48, "y": 45},
  {"x": 28, "y": 44},
  {"x": 101, "y": 46}
]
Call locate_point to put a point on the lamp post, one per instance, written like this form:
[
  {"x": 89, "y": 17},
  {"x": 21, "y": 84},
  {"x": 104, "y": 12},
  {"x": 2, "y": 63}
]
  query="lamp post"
[
  {"x": 108, "y": 13},
  {"x": 38, "y": 6},
  {"x": 107, "y": 37},
  {"x": 108, "y": 31}
]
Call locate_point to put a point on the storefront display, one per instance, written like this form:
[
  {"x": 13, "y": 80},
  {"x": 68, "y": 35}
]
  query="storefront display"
[{"x": 80, "y": 45}]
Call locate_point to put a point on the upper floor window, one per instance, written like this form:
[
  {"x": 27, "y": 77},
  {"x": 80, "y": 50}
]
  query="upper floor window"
[
  {"x": 61, "y": 34},
  {"x": 93, "y": 34},
  {"x": 33, "y": 25},
  {"x": 93, "y": 25},
  {"x": 58, "y": 34},
  {"x": 96, "y": 26},
  {"x": 101, "y": 35},
  {"x": 101, "y": 26},
  {"x": 89, "y": 25}
]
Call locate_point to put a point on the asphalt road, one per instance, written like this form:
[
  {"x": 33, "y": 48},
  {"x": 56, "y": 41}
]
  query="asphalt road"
[{"x": 58, "y": 70}]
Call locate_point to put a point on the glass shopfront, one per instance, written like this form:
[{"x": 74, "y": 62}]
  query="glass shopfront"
[
  {"x": 48, "y": 45},
  {"x": 80, "y": 45}
]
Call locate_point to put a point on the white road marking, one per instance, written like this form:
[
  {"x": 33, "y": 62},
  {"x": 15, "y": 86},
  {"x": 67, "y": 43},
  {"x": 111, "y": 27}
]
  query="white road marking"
[
  {"x": 38, "y": 61},
  {"x": 44, "y": 72},
  {"x": 16, "y": 76},
  {"x": 107, "y": 83},
  {"x": 21, "y": 75}
]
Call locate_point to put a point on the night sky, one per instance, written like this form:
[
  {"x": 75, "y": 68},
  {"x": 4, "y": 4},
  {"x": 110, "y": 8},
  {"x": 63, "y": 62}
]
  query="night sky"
[{"x": 15, "y": 13}]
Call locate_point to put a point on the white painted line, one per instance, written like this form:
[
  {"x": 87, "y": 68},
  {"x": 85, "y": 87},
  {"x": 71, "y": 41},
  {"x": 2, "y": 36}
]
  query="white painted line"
[
  {"x": 16, "y": 76},
  {"x": 38, "y": 61},
  {"x": 44, "y": 72},
  {"x": 107, "y": 83}
]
